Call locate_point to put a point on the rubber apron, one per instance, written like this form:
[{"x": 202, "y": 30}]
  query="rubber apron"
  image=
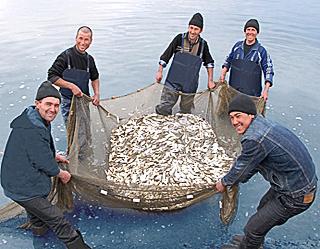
[
  {"x": 183, "y": 74},
  {"x": 76, "y": 76},
  {"x": 245, "y": 76}
]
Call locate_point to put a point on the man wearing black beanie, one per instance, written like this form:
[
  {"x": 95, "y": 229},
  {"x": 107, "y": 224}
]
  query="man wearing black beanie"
[
  {"x": 247, "y": 61},
  {"x": 190, "y": 51},
  {"x": 281, "y": 158},
  {"x": 29, "y": 162}
]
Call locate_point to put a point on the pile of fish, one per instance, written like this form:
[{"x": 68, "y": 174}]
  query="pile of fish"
[{"x": 154, "y": 150}]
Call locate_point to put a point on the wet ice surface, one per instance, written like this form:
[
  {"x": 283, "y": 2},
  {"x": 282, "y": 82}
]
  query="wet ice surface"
[{"x": 196, "y": 227}]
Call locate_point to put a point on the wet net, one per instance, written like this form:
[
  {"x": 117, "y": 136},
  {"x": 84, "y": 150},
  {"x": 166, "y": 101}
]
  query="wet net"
[{"x": 91, "y": 144}]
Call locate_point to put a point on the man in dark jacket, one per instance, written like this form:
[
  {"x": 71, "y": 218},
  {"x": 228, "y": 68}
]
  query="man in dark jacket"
[
  {"x": 73, "y": 69},
  {"x": 190, "y": 51},
  {"x": 281, "y": 158},
  {"x": 30, "y": 161}
]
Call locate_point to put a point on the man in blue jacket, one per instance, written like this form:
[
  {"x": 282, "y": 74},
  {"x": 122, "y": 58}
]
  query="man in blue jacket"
[
  {"x": 281, "y": 158},
  {"x": 247, "y": 60},
  {"x": 30, "y": 161}
]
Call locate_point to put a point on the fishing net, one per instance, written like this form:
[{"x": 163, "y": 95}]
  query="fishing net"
[{"x": 90, "y": 146}]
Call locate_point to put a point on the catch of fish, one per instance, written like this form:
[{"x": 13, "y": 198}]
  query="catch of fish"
[{"x": 179, "y": 150}]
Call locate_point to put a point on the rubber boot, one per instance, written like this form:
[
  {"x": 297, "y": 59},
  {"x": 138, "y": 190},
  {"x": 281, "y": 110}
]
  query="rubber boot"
[
  {"x": 77, "y": 243},
  {"x": 39, "y": 231}
]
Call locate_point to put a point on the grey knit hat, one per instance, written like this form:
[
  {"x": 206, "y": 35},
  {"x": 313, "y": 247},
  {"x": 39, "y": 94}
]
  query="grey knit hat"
[
  {"x": 197, "y": 20},
  {"x": 252, "y": 23},
  {"x": 242, "y": 103},
  {"x": 46, "y": 89}
]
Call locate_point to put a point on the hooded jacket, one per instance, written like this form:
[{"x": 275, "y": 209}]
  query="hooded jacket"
[{"x": 29, "y": 158}]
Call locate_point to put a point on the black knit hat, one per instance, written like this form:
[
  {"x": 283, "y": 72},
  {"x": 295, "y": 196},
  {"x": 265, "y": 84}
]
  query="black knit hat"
[
  {"x": 197, "y": 20},
  {"x": 242, "y": 103},
  {"x": 46, "y": 89},
  {"x": 252, "y": 23}
]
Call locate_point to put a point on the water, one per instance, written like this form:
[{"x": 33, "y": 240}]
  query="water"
[{"x": 129, "y": 36}]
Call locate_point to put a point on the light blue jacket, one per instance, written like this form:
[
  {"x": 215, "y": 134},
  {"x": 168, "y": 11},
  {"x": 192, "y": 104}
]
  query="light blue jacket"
[{"x": 278, "y": 155}]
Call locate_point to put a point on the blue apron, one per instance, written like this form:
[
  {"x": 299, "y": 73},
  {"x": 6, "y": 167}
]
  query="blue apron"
[
  {"x": 76, "y": 76},
  {"x": 183, "y": 74},
  {"x": 245, "y": 76}
]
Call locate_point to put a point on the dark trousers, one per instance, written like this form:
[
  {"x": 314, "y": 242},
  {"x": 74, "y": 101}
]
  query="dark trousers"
[
  {"x": 65, "y": 109},
  {"x": 274, "y": 209},
  {"x": 41, "y": 212},
  {"x": 169, "y": 98}
]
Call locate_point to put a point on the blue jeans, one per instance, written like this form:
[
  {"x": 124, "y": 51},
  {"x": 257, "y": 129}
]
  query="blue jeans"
[
  {"x": 65, "y": 109},
  {"x": 274, "y": 209},
  {"x": 41, "y": 212}
]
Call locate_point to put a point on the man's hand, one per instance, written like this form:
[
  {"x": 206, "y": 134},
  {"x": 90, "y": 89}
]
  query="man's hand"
[
  {"x": 61, "y": 159},
  {"x": 223, "y": 74},
  {"x": 265, "y": 92},
  {"x": 211, "y": 84},
  {"x": 65, "y": 176},
  {"x": 76, "y": 90},
  {"x": 158, "y": 76},
  {"x": 222, "y": 78},
  {"x": 220, "y": 187},
  {"x": 264, "y": 95},
  {"x": 96, "y": 99}
]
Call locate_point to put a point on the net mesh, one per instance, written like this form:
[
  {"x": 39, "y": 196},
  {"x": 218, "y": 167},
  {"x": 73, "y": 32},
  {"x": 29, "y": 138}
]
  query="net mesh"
[{"x": 89, "y": 132}]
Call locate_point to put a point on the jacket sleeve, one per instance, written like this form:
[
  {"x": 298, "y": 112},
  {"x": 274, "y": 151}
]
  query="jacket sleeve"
[
  {"x": 266, "y": 65},
  {"x": 57, "y": 68},
  {"x": 246, "y": 165},
  {"x": 229, "y": 58},
  {"x": 41, "y": 153},
  {"x": 94, "y": 74},
  {"x": 206, "y": 57},
  {"x": 171, "y": 49}
]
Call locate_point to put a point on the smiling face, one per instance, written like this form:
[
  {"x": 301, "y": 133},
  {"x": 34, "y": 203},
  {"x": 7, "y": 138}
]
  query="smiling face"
[
  {"x": 48, "y": 108},
  {"x": 83, "y": 41},
  {"x": 251, "y": 35},
  {"x": 241, "y": 121},
  {"x": 194, "y": 32}
]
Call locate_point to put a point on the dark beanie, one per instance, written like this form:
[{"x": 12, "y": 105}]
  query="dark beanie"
[
  {"x": 46, "y": 89},
  {"x": 197, "y": 20},
  {"x": 252, "y": 23},
  {"x": 242, "y": 103}
]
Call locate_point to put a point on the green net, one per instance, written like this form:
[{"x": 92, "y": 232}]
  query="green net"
[{"x": 91, "y": 144}]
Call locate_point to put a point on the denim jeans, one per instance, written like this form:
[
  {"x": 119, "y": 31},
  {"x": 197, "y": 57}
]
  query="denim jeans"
[
  {"x": 42, "y": 212},
  {"x": 65, "y": 109},
  {"x": 274, "y": 209},
  {"x": 169, "y": 98}
]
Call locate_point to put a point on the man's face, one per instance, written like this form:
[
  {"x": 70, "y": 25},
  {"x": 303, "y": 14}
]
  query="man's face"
[
  {"x": 83, "y": 41},
  {"x": 251, "y": 34},
  {"x": 48, "y": 108},
  {"x": 194, "y": 32},
  {"x": 241, "y": 121}
]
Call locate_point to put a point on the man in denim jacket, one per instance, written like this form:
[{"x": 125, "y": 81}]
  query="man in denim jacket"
[{"x": 281, "y": 158}]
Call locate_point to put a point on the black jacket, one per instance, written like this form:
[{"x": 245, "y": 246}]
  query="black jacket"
[
  {"x": 77, "y": 61},
  {"x": 29, "y": 158}
]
